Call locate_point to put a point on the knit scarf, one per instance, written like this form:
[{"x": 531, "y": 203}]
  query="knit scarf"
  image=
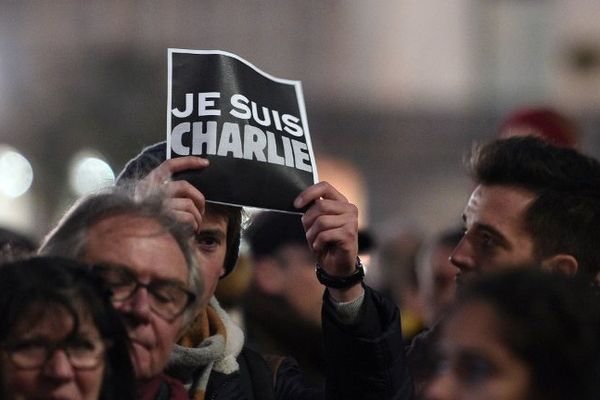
[{"x": 212, "y": 342}]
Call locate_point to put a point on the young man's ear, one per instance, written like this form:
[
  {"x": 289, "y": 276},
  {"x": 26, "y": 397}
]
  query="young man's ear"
[
  {"x": 268, "y": 276},
  {"x": 564, "y": 264}
]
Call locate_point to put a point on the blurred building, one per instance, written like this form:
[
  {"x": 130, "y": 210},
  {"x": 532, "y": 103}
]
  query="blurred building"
[{"x": 400, "y": 88}]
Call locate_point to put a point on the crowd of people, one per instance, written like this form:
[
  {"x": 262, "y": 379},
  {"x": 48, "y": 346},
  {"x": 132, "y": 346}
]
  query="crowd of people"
[{"x": 118, "y": 301}]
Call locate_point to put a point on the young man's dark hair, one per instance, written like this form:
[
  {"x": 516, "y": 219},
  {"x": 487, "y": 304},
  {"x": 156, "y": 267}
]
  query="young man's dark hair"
[
  {"x": 567, "y": 222},
  {"x": 533, "y": 164}
]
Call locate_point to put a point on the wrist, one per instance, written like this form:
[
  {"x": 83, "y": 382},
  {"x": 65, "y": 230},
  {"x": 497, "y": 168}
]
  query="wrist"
[
  {"x": 341, "y": 282},
  {"x": 347, "y": 294}
]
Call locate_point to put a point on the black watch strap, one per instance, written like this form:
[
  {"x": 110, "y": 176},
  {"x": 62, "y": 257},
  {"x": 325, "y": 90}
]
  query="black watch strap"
[{"x": 340, "y": 282}]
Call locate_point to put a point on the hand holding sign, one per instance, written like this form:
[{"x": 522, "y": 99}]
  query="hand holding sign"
[
  {"x": 331, "y": 225},
  {"x": 183, "y": 199}
]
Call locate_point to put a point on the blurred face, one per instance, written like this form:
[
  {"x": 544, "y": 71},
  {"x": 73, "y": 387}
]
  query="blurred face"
[
  {"x": 211, "y": 248},
  {"x": 300, "y": 289},
  {"x": 475, "y": 362},
  {"x": 439, "y": 288},
  {"x": 153, "y": 255},
  {"x": 56, "y": 378},
  {"x": 495, "y": 236}
]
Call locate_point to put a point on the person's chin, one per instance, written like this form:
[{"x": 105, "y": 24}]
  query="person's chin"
[
  {"x": 141, "y": 359},
  {"x": 57, "y": 396}
]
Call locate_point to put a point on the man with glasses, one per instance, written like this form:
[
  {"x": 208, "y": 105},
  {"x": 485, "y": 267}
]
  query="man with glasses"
[{"x": 146, "y": 260}]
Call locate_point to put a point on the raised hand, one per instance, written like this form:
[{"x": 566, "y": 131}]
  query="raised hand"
[
  {"x": 183, "y": 200},
  {"x": 331, "y": 225}
]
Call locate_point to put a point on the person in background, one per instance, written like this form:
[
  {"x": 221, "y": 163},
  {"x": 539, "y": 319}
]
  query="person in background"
[
  {"x": 521, "y": 334},
  {"x": 545, "y": 123},
  {"x": 397, "y": 256},
  {"x": 14, "y": 245},
  {"x": 60, "y": 337},
  {"x": 436, "y": 276},
  {"x": 283, "y": 306}
]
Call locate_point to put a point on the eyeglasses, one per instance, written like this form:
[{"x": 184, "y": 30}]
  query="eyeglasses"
[
  {"x": 83, "y": 353},
  {"x": 168, "y": 299}
]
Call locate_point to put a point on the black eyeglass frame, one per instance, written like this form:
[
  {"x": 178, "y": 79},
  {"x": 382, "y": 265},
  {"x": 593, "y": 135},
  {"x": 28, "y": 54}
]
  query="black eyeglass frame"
[
  {"x": 11, "y": 350},
  {"x": 150, "y": 287}
]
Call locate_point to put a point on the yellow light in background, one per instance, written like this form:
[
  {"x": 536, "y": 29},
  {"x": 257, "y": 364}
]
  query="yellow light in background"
[
  {"x": 16, "y": 174},
  {"x": 89, "y": 173}
]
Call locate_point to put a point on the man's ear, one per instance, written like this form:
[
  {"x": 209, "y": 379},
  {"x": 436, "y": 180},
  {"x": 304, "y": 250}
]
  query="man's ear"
[
  {"x": 564, "y": 264},
  {"x": 269, "y": 276}
]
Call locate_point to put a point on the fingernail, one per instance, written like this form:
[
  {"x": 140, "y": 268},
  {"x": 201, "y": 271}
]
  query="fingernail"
[{"x": 298, "y": 202}]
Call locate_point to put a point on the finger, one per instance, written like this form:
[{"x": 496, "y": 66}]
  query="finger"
[
  {"x": 340, "y": 239},
  {"x": 319, "y": 190},
  {"x": 169, "y": 167},
  {"x": 328, "y": 207},
  {"x": 186, "y": 219},
  {"x": 184, "y": 189},
  {"x": 330, "y": 223},
  {"x": 322, "y": 224},
  {"x": 184, "y": 210}
]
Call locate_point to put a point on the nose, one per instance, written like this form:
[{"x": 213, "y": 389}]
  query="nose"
[
  {"x": 58, "y": 366},
  {"x": 463, "y": 256},
  {"x": 137, "y": 307}
]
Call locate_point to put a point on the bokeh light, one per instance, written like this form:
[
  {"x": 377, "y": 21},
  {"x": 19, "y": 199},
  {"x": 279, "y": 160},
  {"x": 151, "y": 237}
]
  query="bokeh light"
[
  {"x": 89, "y": 173},
  {"x": 16, "y": 174}
]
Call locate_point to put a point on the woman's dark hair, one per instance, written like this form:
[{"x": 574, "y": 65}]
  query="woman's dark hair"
[
  {"x": 53, "y": 281},
  {"x": 549, "y": 322}
]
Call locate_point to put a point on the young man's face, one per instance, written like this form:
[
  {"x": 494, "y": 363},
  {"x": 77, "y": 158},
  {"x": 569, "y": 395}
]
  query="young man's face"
[
  {"x": 210, "y": 246},
  {"x": 495, "y": 236}
]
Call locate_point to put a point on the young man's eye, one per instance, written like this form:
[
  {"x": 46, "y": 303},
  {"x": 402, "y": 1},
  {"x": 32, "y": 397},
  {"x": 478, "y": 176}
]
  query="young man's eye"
[
  {"x": 208, "y": 242},
  {"x": 487, "y": 240}
]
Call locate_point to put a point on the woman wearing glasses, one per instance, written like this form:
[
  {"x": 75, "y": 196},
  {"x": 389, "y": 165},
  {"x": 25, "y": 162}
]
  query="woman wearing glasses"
[{"x": 60, "y": 337}]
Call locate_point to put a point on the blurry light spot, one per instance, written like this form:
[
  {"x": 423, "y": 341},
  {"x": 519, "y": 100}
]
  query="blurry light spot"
[
  {"x": 16, "y": 174},
  {"x": 89, "y": 174}
]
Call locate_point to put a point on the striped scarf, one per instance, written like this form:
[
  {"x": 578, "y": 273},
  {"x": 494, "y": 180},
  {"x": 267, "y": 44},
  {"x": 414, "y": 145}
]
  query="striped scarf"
[{"x": 212, "y": 342}]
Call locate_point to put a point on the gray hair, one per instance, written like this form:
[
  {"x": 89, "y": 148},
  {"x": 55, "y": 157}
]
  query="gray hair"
[{"x": 68, "y": 238}]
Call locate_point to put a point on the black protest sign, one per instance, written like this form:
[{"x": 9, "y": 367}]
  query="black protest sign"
[{"x": 251, "y": 126}]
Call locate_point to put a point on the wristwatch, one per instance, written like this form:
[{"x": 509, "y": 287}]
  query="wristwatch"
[{"x": 340, "y": 282}]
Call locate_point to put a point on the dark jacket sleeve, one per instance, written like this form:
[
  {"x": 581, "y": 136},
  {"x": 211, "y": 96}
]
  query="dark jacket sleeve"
[{"x": 366, "y": 359}]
